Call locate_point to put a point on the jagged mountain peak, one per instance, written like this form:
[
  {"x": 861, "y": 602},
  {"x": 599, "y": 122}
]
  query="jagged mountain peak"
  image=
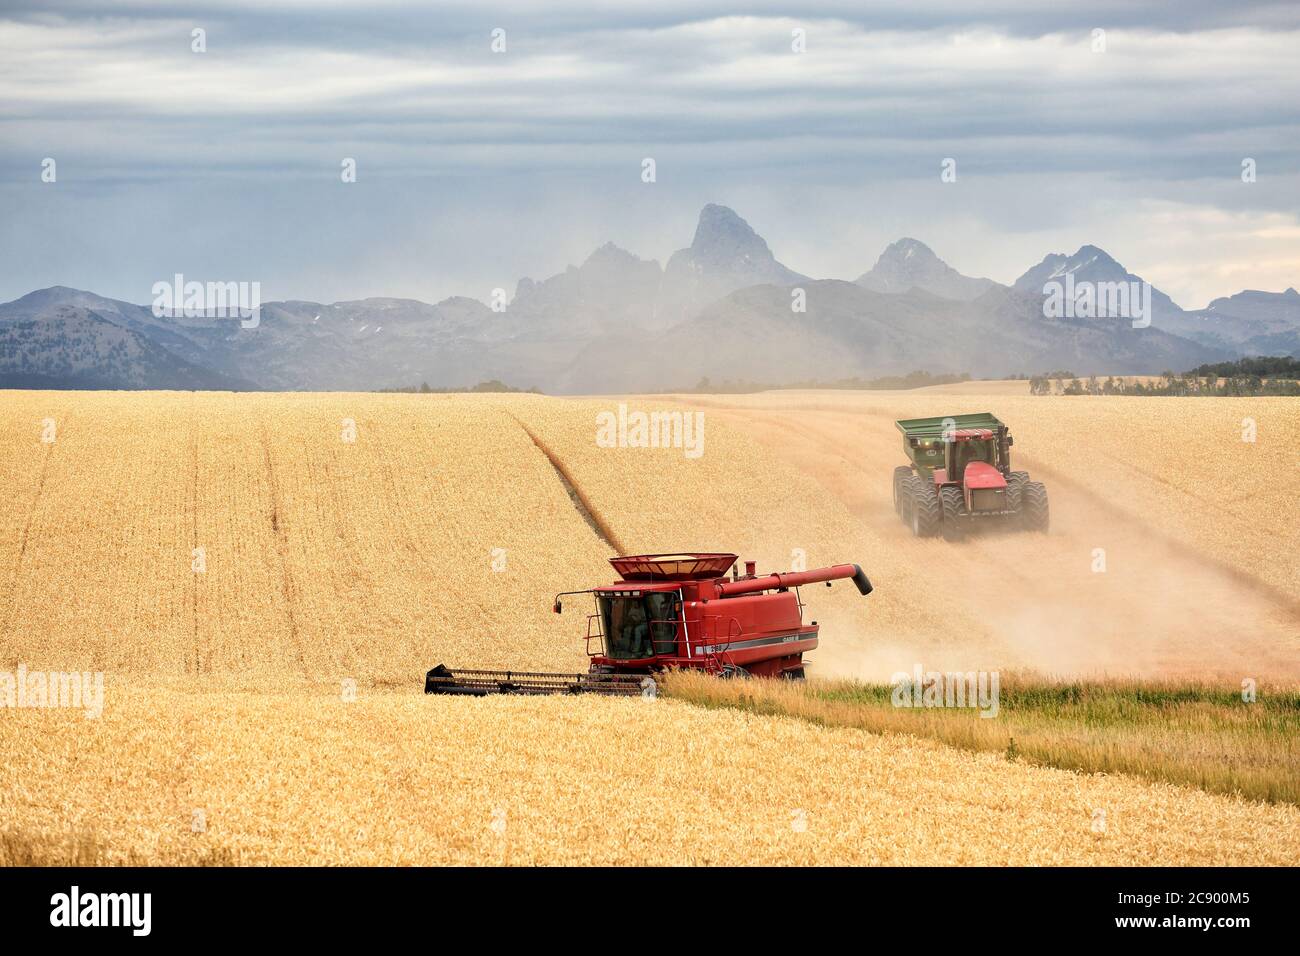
[
  {"x": 910, "y": 264},
  {"x": 720, "y": 228},
  {"x": 1088, "y": 262},
  {"x": 907, "y": 248},
  {"x": 611, "y": 255},
  {"x": 1090, "y": 255},
  {"x": 725, "y": 254}
]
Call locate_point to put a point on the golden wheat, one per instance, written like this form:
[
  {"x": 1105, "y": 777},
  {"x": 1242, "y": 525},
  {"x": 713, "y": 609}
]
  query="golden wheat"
[
  {"x": 228, "y": 736},
  {"x": 439, "y": 533},
  {"x": 170, "y": 777}
]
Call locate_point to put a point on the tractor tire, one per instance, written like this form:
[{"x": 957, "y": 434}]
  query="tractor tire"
[
  {"x": 1034, "y": 511},
  {"x": 906, "y": 495},
  {"x": 950, "y": 502},
  {"x": 901, "y": 474},
  {"x": 1014, "y": 489},
  {"x": 794, "y": 673},
  {"x": 926, "y": 512},
  {"x": 1017, "y": 481}
]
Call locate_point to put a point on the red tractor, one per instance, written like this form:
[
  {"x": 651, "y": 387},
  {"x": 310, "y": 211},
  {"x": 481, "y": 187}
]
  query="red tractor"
[
  {"x": 676, "y": 610},
  {"x": 960, "y": 475}
]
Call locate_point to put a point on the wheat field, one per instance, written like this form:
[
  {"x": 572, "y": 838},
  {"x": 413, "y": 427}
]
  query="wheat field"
[
  {"x": 263, "y": 579},
  {"x": 1198, "y": 531},
  {"x": 304, "y": 778}
]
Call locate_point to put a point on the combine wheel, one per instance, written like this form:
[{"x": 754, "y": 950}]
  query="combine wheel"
[
  {"x": 950, "y": 500},
  {"x": 925, "y": 509},
  {"x": 1034, "y": 511},
  {"x": 794, "y": 673},
  {"x": 901, "y": 474}
]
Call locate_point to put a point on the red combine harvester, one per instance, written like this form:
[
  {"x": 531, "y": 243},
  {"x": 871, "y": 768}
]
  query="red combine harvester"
[{"x": 675, "y": 610}]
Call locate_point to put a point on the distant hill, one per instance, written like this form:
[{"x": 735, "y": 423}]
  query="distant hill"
[
  {"x": 848, "y": 331},
  {"x": 71, "y": 346},
  {"x": 1255, "y": 323}
]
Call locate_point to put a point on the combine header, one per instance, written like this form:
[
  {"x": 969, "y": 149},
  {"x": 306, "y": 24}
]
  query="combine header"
[
  {"x": 961, "y": 473},
  {"x": 675, "y": 610}
]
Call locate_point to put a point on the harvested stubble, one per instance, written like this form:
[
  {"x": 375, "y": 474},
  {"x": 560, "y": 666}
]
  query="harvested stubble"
[
  {"x": 1178, "y": 466},
  {"x": 1172, "y": 553}
]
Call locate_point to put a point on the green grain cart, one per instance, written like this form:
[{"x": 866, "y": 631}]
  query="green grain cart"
[{"x": 961, "y": 473}]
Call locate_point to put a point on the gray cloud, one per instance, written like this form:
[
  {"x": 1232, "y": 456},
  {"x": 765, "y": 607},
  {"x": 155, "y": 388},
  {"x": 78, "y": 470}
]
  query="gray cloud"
[{"x": 475, "y": 167}]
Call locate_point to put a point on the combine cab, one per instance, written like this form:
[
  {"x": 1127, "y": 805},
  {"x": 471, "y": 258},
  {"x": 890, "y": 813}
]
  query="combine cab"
[
  {"x": 675, "y": 610},
  {"x": 961, "y": 474}
]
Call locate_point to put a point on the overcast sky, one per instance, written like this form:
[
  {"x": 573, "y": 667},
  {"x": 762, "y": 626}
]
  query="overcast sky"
[{"x": 475, "y": 168}]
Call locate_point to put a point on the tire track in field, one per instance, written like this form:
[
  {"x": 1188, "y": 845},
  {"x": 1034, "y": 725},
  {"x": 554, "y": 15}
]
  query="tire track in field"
[
  {"x": 581, "y": 503},
  {"x": 199, "y": 655},
  {"x": 16, "y": 574},
  {"x": 288, "y": 588}
]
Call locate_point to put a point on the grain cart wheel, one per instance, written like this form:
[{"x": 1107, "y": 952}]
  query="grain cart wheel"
[
  {"x": 1033, "y": 506},
  {"x": 927, "y": 513},
  {"x": 950, "y": 501},
  {"x": 901, "y": 474}
]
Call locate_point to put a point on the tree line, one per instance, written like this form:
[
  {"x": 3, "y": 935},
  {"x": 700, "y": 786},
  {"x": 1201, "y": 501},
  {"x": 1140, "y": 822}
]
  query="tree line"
[{"x": 1260, "y": 375}]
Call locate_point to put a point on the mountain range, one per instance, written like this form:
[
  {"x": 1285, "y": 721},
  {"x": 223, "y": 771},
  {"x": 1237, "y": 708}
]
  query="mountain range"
[{"x": 723, "y": 308}]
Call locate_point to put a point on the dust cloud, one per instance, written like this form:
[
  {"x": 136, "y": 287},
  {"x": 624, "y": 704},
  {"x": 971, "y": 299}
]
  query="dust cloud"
[{"x": 1002, "y": 599}]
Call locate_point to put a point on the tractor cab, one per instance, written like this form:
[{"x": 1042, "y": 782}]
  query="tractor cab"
[
  {"x": 964, "y": 446},
  {"x": 641, "y": 617},
  {"x": 943, "y": 448},
  {"x": 638, "y": 624}
]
